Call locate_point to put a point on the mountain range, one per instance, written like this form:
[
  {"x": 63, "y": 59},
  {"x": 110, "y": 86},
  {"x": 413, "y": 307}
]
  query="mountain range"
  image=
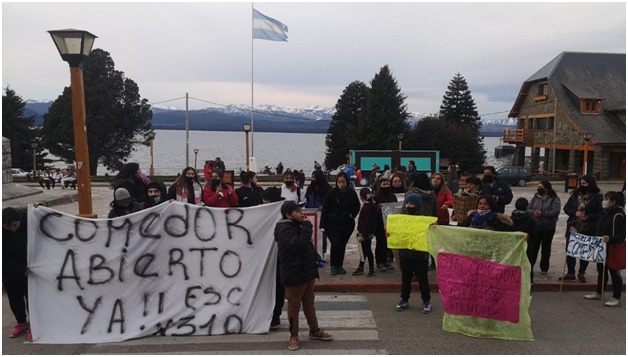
[{"x": 266, "y": 118}]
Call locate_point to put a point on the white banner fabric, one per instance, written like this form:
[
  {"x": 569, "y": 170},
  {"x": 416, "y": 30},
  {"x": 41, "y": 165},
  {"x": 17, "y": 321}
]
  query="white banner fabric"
[{"x": 173, "y": 270}]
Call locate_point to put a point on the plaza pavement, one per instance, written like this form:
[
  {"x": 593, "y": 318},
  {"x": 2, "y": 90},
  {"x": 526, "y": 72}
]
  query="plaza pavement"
[{"x": 389, "y": 281}]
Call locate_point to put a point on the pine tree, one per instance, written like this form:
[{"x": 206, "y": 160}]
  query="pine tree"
[
  {"x": 116, "y": 116},
  {"x": 458, "y": 105},
  {"x": 385, "y": 115},
  {"x": 343, "y": 123},
  {"x": 20, "y": 130}
]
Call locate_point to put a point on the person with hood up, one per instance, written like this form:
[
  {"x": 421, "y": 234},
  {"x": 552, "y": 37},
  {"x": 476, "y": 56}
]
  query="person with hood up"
[
  {"x": 156, "y": 193},
  {"x": 486, "y": 216},
  {"x": 414, "y": 262},
  {"x": 298, "y": 271},
  {"x": 187, "y": 188},
  {"x": 123, "y": 204}
]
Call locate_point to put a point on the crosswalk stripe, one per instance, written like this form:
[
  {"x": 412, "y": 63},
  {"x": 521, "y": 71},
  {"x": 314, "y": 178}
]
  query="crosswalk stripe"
[{"x": 302, "y": 351}]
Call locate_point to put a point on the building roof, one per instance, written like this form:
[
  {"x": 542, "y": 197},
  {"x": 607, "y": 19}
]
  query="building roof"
[{"x": 583, "y": 75}]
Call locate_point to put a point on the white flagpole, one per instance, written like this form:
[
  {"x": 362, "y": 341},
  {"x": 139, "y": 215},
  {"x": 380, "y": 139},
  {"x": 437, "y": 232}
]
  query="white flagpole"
[{"x": 252, "y": 81}]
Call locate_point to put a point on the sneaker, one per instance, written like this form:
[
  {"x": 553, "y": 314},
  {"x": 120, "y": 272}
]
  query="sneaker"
[
  {"x": 390, "y": 267},
  {"x": 381, "y": 267},
  {"x": 334, "y": 270},
  {"x": 568, "y": 277},
  {"x": 582, "y": 278},
  {"x": 341, "y": 270},
  {"x": 29, "y": 335},
  {"x": 594, "y": 296},
  {"x": 402, "y": 305},
  {"x": 612, "y": 302},
  {"x": 426, "y": 308},
  {"x": 371, "y": 273},
  {"x": 358, "y": 271},
  {"x": 19, "y": 329},
  {"x": 275, "y": 323},
  {"x": 320, "y": 335},
  {"x": 293, "y": 344}
]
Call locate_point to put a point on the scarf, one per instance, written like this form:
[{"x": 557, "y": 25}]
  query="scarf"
[{"x": 481, "y": 219}]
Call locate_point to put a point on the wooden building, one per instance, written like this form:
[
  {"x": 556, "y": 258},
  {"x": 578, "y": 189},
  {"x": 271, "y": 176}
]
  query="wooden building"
[{"x": 574, "y": 108}]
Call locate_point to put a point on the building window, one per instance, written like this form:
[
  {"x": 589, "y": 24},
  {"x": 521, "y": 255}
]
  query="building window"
[
  {"x": 541, "y": 123},
  {"x": 543, "y": 89},
  {"x": 550, "y": 123},
  {"x": 590, "y": 106}
]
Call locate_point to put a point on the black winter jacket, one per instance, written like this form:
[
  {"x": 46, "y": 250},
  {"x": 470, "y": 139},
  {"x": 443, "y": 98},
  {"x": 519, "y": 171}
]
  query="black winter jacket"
[
  {"x": 297, "y": 257},
  {"x": 340, "y": 208},
  {"x": 604, "y": 225},
  {"x": 592, "y": 206},
  {"x": 14, "y": 248}
]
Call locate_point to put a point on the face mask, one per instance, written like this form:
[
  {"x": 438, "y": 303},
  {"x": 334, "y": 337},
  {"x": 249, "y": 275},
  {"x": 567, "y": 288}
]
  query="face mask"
[
  {"x": 488, "y": 179},
  {"x": 215, "y": 182},
  {"x": 541, "y": 191},
  {"x": 289, "y": 183},
  {"x": 483, "y": 211},
  {"x": 605, "y": 204},
  {"x": 342, "y": 186},
  {"x": 584, "y": 189},
  {"x": 385, "y": 190},
  {"x": 153, "y": 200},
  {"x": 412, "y": 210}
]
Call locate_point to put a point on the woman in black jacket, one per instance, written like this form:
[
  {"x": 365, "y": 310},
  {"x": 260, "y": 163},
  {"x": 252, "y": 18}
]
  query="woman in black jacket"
[
  {"x": 611, "y": 226},
  {"x": 129, "y": 179},
  {"x": 584, "y": 208},
  {"x": 338, "y": 220}
]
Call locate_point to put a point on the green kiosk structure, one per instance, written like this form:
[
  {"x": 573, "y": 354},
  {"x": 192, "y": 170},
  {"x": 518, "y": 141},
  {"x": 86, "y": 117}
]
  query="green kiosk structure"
[{"x": 426, "y": 160}]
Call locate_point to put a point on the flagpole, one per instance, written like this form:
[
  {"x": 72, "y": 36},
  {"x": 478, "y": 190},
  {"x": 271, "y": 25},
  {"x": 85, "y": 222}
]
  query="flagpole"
[{"x": 252, "y": 81}]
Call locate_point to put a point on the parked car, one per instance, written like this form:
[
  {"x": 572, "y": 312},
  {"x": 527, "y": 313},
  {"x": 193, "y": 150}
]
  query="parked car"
[
  {"x": 514, "y": 175},
  {"x": 19, "y": 173}
]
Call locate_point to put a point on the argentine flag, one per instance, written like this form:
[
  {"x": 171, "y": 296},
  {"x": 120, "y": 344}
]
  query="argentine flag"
[{"x": 267, "y": 28}]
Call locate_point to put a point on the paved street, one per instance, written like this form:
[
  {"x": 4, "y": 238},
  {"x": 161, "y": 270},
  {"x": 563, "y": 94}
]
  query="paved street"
[{"x": 367, "y": 324}]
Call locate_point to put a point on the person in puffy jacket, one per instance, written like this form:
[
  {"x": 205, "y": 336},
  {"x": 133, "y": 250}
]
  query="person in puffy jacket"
[
  {"x": 545, "y": 209},
  {"x": 298, "y": 270}
]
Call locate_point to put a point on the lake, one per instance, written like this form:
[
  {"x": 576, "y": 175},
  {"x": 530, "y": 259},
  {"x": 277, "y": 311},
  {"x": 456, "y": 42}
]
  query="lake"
[{"x": 294, "y": 150}]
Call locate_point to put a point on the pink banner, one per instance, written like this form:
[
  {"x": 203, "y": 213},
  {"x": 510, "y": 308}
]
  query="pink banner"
[{"x": 476, "y": 287}]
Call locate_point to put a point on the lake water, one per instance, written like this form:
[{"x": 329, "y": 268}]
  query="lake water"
[{"x": 294, "y": 150}]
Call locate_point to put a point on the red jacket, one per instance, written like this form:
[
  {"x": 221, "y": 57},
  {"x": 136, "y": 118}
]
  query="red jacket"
[
  {"x": 444, "y": 197},
  {"x": 212, "y": 199}
]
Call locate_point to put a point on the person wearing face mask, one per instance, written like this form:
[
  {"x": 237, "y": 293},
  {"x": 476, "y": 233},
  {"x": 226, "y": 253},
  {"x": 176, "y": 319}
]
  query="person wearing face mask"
[
  {"x": 384, "y": 257},
  {"x": 187, "y": 188},
  {"x": 545, "y": 209},
  {"x": 340, "y": 209},
  {"x": 219, "y": 194},
  {"x": 291, "y": 191},
  {"x": 612, "y": 227},
  {"x": 413, "y": 262},
  {"x": 298, "y": 271},
  {"x": 583, "y": 207},
  {"x": 123, "y": 204},
  {"x": 499, "y": 190},
  {"x": 397, "y": 183},
  {"x": 485, "y": 216},
  {"x": 156, "y": 193}
]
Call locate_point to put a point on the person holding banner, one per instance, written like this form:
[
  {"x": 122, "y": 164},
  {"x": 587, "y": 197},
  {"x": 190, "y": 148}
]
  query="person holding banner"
[
  {"x": 187, "y": 188},
  {"x": 14, "y": 269},
  {"x": 249, "y": 194},
  {"x": 298, "y": 270},
  {"x": 219, "y": 194},
  {"x": 338, "y": 220},
  {"x": 583, "y": 207},
  {"x": 612, "y": 227},
  {"x": 545, "y": 209},
  {"x": 414, "y": 262},
  {"x": 156, "y": 193}
]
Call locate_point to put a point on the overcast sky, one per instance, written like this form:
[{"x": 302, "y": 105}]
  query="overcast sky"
[{"x": 205, "y": 49}]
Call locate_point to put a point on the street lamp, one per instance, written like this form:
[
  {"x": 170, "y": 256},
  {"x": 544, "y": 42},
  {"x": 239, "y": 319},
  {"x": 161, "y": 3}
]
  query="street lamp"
[
  {"x": 587, "y": 137},
  {"x": 195, "y": 155},
  {"x": 151, "y": 139},
  {"x": 247, "y": 128},
  {"x": 400, "y": 138},
  {"x": 34, "y": 145},
  {"x": 74, "y": 47}
]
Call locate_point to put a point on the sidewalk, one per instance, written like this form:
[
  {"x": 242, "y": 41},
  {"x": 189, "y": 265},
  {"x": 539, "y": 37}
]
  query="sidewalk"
[{"x": 389, "y": 281}]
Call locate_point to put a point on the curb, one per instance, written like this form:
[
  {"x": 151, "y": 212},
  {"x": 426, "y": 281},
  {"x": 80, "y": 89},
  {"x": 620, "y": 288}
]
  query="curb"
[{"x": 374, "y": 287}]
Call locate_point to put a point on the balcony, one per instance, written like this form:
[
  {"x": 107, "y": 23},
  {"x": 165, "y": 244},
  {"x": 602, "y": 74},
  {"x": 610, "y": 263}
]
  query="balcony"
[{"x": 518, "y": 136}]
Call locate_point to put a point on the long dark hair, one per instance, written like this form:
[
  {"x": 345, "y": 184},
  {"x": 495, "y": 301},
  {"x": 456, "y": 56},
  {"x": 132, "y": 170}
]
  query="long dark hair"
[
  {"x": 548, "y": 188},
  {"x": 127, "y": 172},
  {"x": 181, "y": 183},
  {"x": 593, "y": 187},
  {"x": 320, "y": 187},
  {"x": 491, "y": 202}
]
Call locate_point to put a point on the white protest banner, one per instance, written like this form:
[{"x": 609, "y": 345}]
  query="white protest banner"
[
  {"x": 173, "y": 270},
  {"x": 314, "y": 216},
  {"x": 587, "y": 248}
]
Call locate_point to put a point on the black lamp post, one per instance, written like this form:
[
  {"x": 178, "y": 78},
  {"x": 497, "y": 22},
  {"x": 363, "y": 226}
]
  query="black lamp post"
[
  {"x": 74, "y": 47},
  {"x": 195, "y": 156}
]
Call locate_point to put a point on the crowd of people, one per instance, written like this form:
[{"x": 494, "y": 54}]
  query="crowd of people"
[{"x": 341, "y": 207}]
